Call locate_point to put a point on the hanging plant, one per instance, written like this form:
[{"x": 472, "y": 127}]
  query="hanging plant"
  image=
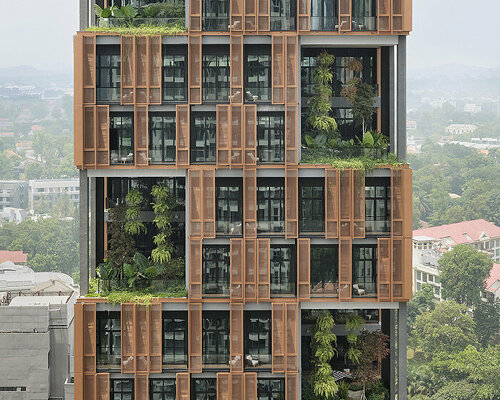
[
  {"x": 163, "y": 204},
  {"x": 353, "y": 324},
  {"x": 134, "y": 200}
]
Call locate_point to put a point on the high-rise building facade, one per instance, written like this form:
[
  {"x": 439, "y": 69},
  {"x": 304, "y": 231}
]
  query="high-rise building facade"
[{"x": 218, "y": 114}]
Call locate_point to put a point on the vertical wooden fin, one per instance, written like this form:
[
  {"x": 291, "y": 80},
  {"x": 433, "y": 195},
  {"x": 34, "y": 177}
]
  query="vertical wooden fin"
[{"x": 304, "y": 269}]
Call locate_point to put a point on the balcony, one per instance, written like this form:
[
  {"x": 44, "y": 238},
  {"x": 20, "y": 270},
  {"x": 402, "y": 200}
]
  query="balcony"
[
  {"x": 279, "y": 23},
  {"x": 362, "y": 23},
  {"x": 216, "y": 24}
]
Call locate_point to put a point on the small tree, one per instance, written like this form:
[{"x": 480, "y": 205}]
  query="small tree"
[
  {"x": 361, "y": 98},
  {"x": 353, "y": 324},
  {"x": 422, "y": 301},
  {"x": 162, "y": 207},
  {"x": 134, "y": 200},
  {"x": 121, "y": 245}
]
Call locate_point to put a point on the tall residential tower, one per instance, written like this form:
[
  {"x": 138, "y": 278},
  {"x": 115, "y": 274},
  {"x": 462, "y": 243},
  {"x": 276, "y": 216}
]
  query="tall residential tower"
[{"x": 269, "y": 231}]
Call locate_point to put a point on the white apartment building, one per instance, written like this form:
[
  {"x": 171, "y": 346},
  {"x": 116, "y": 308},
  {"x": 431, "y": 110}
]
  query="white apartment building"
[
  {"x": 51, "y": 190},
  {"x": 460, "y": 129}
]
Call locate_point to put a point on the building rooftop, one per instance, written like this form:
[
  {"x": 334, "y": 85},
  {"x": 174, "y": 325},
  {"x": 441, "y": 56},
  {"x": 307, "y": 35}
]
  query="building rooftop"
[
  {"x": 16, "y": 257},
  {"x": 37, "y": 300},
  {"x": 15, "y": 276},
  {"x": 461, "y": 232},
  {"x": 493, "y": 278}
]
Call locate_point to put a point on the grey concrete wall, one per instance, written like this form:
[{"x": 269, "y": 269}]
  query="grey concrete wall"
[{"x": 24, "y": 319}]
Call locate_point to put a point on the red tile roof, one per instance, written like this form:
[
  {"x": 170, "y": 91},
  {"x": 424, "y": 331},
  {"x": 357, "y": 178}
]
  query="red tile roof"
[
  {"x": 17, "y": 257},
  {"x": 457, "y": 231},
  {"x": 494, "y": 276}
]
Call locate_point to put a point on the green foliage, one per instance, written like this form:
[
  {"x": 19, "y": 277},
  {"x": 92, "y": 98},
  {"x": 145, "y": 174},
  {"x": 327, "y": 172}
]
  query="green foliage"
[
  {"x": 361, "y": 97},
  {"x": 363, "y": 163},
  {"x": 163, "y": 10},
  {"x": 353, "y": 324},
  {"x": 133, "y": 225},
  {"x": 421, "y": 302},
  {"x": 121, "y": 245},
  {"x": 163, "y": 203},
  {"x": 143, "y": 29},
  {"x": 378, "y": 392},
  {"x": 141, "y": 297},
  {"x": 487, "y": 317},
  {"x": 463, "y": 271}
]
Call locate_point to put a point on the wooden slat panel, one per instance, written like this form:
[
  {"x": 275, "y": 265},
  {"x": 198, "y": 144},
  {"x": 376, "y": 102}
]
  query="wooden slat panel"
[
  {"x": 250, "y": 135},
  {"x": 398, "y": 260},
  {"x": 237, "y": 15},
  {"x": 78, "y": 100},
  {"x": 278, "y": 68},
  {"x": 304, "y": 269},
  {"x": 89, "y": 69},
  {"x": 195, "y": 337},
  {"x": 237, "y": 269},
  {"x": 141, "y": 135},
  {"x": 384, "y": 269},
  {"x": 384, "y": 15},
  {"x": 141, "y": 69},
  {"x": 397, "y": 15},
  {"x": 291, "y": 135},
  {"x": 155, "y": 338},
  {"x": 292, "y": 386},
  {"x": 182, "y": 135},
  {"x": 237, "y": 136},
  {"x": 78, "y": 386},
  {"x": 263, "y": 22},
  {"x": 292, "y": 335},
  {"x": 292, "y": 202},
  {"x": 250, "y": 270},
  {"x": 208, "y": 209},
  {"x": 345, "y": 269},
  {"x": 141, "y": 387},
  {"x": 141, "y": 338},
  {"x": 89, "y": 133},
  {"x": 78, "y": 334},
  {"x": 345, "y": 15},
  {"x": 237, "y": 386},
  {"x": 397, "y": 205},
  {"x": 292, "y": 67},
  {"x": 155, "y": 64},
  {"x": 236, "y": 68},
  {"x": 89, "y": 387},
  {"x": 346, "y": 203},
  {"x": 194, "y": 69},
  {"x": 250, "y": 15},
  {"x": 102, "y": 135},
  {"x": 263, "y": 270},
  {"x": 223, "y": 134},
  {"x": 236, "y": 342},
  {"x": 250, "y": 386},
  {"x": 359, "y": 203},
  {"x": 332, "y": 178},
  {"x": 407, "y": 201},
  {"x": 250, "y": 202},
  {"x": 407, "y": 16},
  {"x": 195, "y": 203},
  {"x": 304, "y": 15},
  {"x": 195, "y": 15},
  {"x": 102, "y": 386},
  {"x": 89, "y": 338},
  {"x": 278, "y": 333},
  {"x": 407, "y": 269},
  {"x": 195, "y": 269},
  {"x": 127, "y": 338},
  {"x": 127, "y": 69},
  {"x": 182, "y": 386},
  {"x": 223, "y": 386}
]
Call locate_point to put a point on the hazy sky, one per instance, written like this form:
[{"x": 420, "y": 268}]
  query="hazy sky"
[{"x": 39, "y": 33}]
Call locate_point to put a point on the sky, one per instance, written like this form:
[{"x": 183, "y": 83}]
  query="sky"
[{"x": 40, "y": 33}]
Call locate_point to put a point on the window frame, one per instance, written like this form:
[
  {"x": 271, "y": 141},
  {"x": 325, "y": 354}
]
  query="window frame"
[
  {"x": 116, "y": 138},
  {"x": 218, "y": 73},
  {"x": 263, "y": 354},
  {"x": 323, "y": 273},
  {"x": 318, "y": 203},
  {"x": 270, "y": 131},
  {"x": 292, "y": 273},
  {"x": 264, "y": 197},
  {"x": 168, "y": 321},
  {"x": 165, "y": 394},
  {"x": 231, "y": 226},
  {"x": 283, "y": 15},
  {"x": 174, "y": 51},
  {"x": 216, "y": 20},
  {"x": 166, "y": 133},
  {"x": 259, "y": 70},
  {"x": 320, "y": 21},
  {"x": 373, "y": 196},
  {"x": 221, "y": 284},
  {"x": 270, "y": 393},
  {"x": 110, "y": 336},
  {"x": 209, "y": 149},
  {"x": 369, "y": 285},
  {"x": 111, "y": 93},
  {"x": 367, "y": 13},
  {"x": 112, "y": 391},
  {"x": 208, "y": 392},
  {"x": 220, "y": 333}
]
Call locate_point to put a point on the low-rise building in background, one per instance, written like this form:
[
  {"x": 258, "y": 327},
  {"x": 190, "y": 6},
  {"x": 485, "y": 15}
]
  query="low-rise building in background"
[{"x": 50, "y": 190}]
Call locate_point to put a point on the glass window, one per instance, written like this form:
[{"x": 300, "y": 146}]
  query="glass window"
[
  {"x": 203, "y": 137},
  {"x": 215, "y": 73},
  {"x": 283, "y": 15},
  {"x": 419, "y": 285},
  {"x": 425, "y": 277},
  {"x": 324, "y": 270},
  {"x": 108, "y": 71},
  {"x": 162, "y": 389},
  {"x": 437, "y": 279},
  {"x": 270, "y": 205},
  {"x": 174, "y": 73},
  {"x": 258, "y": 338},
  {"x": 175, "y": 337},
  {"x": 283, "y": 270},
  {"x": 121, "y": 136},
  {"x": 437, "y": 290},
  {"x": 364, "y": 270},
  {"x": 419, "y": 275},
  {"x": 378, "y": 205},
  {"x": 364, "y": 15},
  {"x": 215, "y": 260},
  {"x": 431, "y": 278},
  {"x": 258, "y": 74},
  {"x": 122, "y": 389},
  {"x": 312, "y": 205},
  {"x": 204, "y": 389},
  {"x": 271, "y": 137},
  {"x": 324, "y": 15},
  {"x": 216, "y": 338},
  {"x": 162, "y": 138},
  {"x": 229, "y": 203},
  {"x": 215, "y": 15},
  {"x": 108, "y": 338},
  {"x": 270, "y": 389}
]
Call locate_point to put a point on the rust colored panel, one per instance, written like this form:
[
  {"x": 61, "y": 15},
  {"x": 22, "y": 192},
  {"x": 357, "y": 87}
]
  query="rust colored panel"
[
  {"x": 384, "y": 269},
  {"x": 78, "y": 333},
  {"x": 250, "y": 202},
  {"x": 89, "y": 386},
  {"x": 407, "y": 16},
  {"x": 102, "y": 135},
  {"x": 236, "y": 342},
  {"x": 292, "y": 386},
  {"x": 359, "y": 203},
  {"x": 195, "y": 15},
  {"x": 407, "y": 269},
  {"x": 278, "y": 59},
  {"x": 89, "y": 338},
  {"x": 263, "y": 22},
  {"x": 278, "y": 334},
  {"x": 250, "y": 135},
  {"x": 407, "y": 201},
  {"x": 208, "y": 211},
  {"x": 345, "y": 269},
  {"x": 127, "y": 338},
  {"x": 292, "y": 67},
  {"x": 304, "y": 269},
  {"x": 78, "y": 101},
  {"x": 78, "y": 386},
  {"x": 182, "y": 135},
  {"x": 155, "y": 64},
  {"x": 141, "y": 338},
  {"x": 223, "y": 386},
  {"x": 195, "y": 206},
  {"x": 304, "y": 15},
  {"x": 332, "y": 183},
  {"x": 141, "y": 386},
  {"x": 102, "y": 382},
  {"x": 250, "y": 270},
  {"x": 400, "y": 199},
  {"x": 236, "y": 15},
  {"x": 194, "y": 69},
  {"x": 195, "y": 269},
  {"x": 89, "y": 128},
  {"x": 89, "y": 69},
  {"x": 236, "y": 65},
  {"x": 155, "y": 338},
  {"x": 182, "y": 386},
  {"x": 141, "y": 135},
  {"x": 237, "y": 269},
  {"x": 346, "y": 203},
  {"x": 127, "y": 69},
  {"x": 263, "y": 271},
  {"x": 345, "y": 15},
  {"x": 250, "y": 386},
  {"x": 236, "y": 136},
  {"x": 291, "y": 135},
  {"x": 384, "y": 15},
  {"x": 237, "y": 386},
  {"x": 223, "y": 134},
  {"x": 292, "y": 335},
  {"x": 141, "y": 69},
  {"x": 291, "y": 202},
  {"x": 195, "y": 337},
  {"x": 250, "y": 15}
]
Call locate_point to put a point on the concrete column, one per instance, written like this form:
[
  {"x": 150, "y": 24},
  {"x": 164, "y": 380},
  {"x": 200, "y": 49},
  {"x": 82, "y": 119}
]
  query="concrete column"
[
  {"x": 389, "y": 363},
  {"x": 93, "y": 226},
  {"x": 402, "y": 347},
  {"x": 401, "y": 106},
  {"x": 84, "y": 233},
  {"x": 392, "y": 100},
  {"x": 84, "y": 14}
]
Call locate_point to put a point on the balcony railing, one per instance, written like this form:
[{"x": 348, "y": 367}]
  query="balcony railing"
[
  {"x": 229, "y": 228},
  {"x": 216, "y": 288},
  {"x": 118, "y": 157},
  {"x": 366, "y": 289},
  {"x": 324, "y": 289},
  {"x": 283, "y": 23},
  {"x": 324, "y": 23},
  {"x": 364, "y": 23},
  {"x": 216, "y": 23},
  {"x": 315, "y": 155}
]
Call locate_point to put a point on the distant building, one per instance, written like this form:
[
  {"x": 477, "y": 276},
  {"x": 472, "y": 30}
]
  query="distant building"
[
  {"x": 51, "y": 190},
  {"x": 460, "y": 129},
  {"x": 6, "y": 134},
  {"x": 16, "y": 257},
  {"x": 493, "y": 283},
  {"x": 13, "y": 194},
  {"x": 472, "y": 108},
  {"x": 11, "y": 214},
  {"x": 411, "y": 125},
  {"x": 425, "y": 263}
]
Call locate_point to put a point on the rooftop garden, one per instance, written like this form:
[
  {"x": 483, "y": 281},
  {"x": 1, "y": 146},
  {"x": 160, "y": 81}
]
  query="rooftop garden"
[
  {"x": 322, "y": 142},
  {"x": 165, "y": 18},
  {"x": 126, "y": 275}
]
